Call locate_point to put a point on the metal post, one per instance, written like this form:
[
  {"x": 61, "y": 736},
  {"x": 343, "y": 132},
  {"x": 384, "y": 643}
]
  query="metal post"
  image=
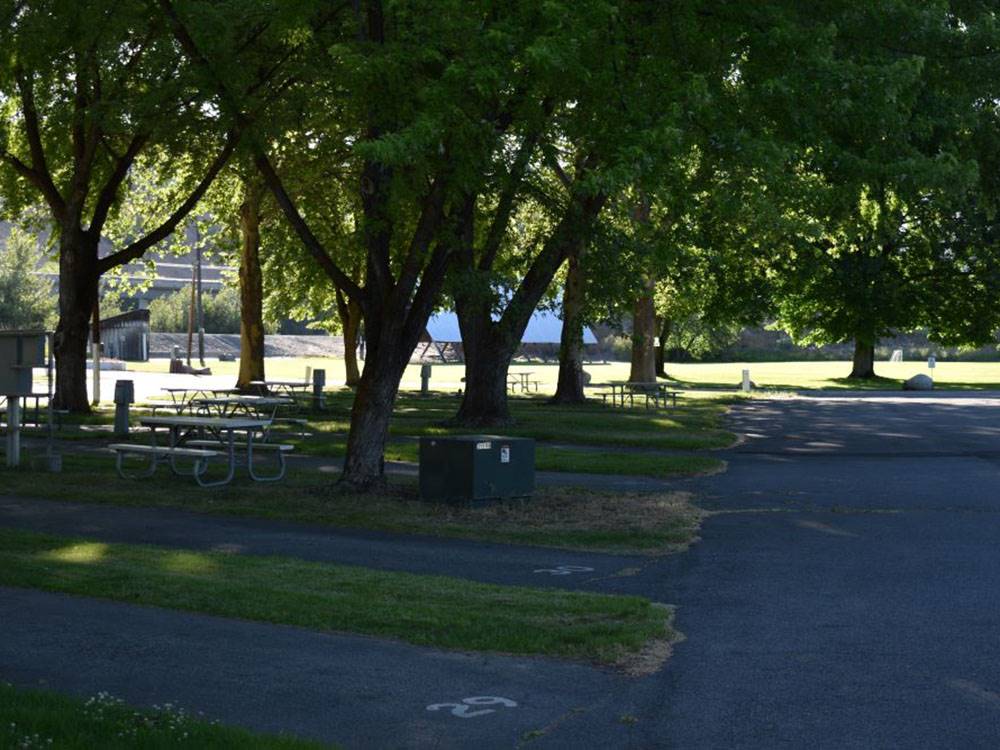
[
  {"x": 425, "y": 379},
  {"x": 53, "y": 460},
  {"x": 201, "y": 311},
  {"x": 746, "y": 381},
  {"x": 95, "y": 357},
  {"x": 13, "y": 431},
  {"x": 124, "y": 395},
  {"x": 319, "y": 382}
]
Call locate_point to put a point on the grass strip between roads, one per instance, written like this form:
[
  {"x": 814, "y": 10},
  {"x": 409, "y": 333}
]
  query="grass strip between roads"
[
  {"x": 644, "y": 523},
  {"x": 420, "y": 609},
  {"x": 36, "y": 719}
]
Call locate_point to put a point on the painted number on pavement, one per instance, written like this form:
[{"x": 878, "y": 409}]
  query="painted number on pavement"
[
  {"x": 565, "y": 570},
  {"x": 466, "y": 709}
]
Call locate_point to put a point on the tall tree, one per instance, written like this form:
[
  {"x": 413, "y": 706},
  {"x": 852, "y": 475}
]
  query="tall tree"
[
  {"x": 87, "y": 88},
  {"x": 632, "y": 75},
  {"x": 871, "y": 96},
  {"x": 421, "y": 98}
]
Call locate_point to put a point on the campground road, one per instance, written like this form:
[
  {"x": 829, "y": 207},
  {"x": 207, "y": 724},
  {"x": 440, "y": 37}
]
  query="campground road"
[{"x": 845, "y": 593}]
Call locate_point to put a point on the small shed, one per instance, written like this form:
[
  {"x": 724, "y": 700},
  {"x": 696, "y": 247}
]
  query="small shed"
[{"x": 126, "y": 336}]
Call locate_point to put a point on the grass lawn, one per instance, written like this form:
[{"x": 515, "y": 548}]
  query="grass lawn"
[
  {"x": 420, "y": 609},
  {"x": 693, "y": 425},
  {"x": 652, "y": 523},
  {"x": 549, "y": 459},
  {"x": 833, "y": 375},
  {"x": 35, "y": 719},
  {"x": 787, "y": 375}
]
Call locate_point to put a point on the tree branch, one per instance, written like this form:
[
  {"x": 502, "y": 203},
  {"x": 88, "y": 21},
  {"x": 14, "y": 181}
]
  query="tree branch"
[
  {"x": 42, "y": 177},
  {"x": 302, "y": 229},
  {"x": 114, "y": 181},
  {"x": 506, "y": 204},
  {"x": 137, "y": 248}
]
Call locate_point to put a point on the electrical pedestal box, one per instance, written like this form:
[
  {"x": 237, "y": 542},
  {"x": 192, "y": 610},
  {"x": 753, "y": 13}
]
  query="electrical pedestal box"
[{"x": 473, "y": 469}]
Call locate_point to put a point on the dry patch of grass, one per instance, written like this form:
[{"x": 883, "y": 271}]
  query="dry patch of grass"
[{"x": 646, "y": 523}]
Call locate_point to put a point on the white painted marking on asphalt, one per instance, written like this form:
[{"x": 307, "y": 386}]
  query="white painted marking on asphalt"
[
  {"x": 824, "y": 527},
  {"x": 978, "y": 692},
  {"x": 462, "y": 710},
  {"x": 565, "y": 570}
]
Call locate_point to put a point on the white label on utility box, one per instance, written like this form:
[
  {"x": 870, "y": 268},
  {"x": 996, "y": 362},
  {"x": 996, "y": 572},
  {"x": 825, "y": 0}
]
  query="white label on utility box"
[
  {"x": 505, "y": 454},
  {"x": 484, "y": 446}
]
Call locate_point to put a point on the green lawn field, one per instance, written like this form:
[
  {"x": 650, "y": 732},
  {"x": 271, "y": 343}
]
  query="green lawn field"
[{"x": 779, "y": 375}]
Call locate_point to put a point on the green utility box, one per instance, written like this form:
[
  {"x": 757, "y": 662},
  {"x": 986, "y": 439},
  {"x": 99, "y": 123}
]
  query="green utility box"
[{"x": 470, "y": 469}]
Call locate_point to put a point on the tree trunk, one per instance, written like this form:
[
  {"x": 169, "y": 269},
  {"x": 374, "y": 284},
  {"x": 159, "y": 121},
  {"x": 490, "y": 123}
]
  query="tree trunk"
[
  {"x": 644, "y": 337},
  {"x": 350, "y": 321},
  {"x": 489, "y": 346},
  {"x": 864, "y": 361},
  {"x": 484, "y": 403},
  {"x": 364, "y": 467},
  {"x": 569, "y": 388},
  {"x": 77, "y": 297},
  {"x": 251, "y": 291},
  {"x": 661, "y": 350}
]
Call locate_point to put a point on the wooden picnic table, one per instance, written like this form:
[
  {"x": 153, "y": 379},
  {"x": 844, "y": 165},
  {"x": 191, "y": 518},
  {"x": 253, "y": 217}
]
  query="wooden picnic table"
[{"x": 229, "y": 433}]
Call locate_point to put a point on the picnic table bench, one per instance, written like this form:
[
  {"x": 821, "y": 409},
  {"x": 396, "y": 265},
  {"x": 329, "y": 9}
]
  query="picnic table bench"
[
  {"x": 653, "y": 394},
  {"x": 186, "y": 439},
  {"x": 523, "y": 381}
]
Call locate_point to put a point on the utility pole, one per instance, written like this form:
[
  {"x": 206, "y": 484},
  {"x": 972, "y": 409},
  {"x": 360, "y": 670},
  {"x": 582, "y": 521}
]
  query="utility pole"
[
  {"x": 95, "y": 355},
  {"x": 194, "y": 279},
  {"x": 201, "y": 311}
]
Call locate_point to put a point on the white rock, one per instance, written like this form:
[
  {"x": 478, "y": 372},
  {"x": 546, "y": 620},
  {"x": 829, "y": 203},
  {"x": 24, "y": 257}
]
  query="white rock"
[{"x": 919, "y": 383}]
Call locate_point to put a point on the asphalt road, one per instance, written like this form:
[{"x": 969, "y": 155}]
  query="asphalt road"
[{"x": 844, "y": 595}]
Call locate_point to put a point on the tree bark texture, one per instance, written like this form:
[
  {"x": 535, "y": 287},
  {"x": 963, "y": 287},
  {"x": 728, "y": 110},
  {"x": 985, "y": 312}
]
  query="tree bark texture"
[
  {"x": 251, "y": 290},
  {"x": 569, "y": 387},
  {"x": 864, "y": 361},
  {"x": 350, "y": 320},
  {"x": 643, "y": 368},
  {"x": 661, "y": 350},
  {"x": 78, "y": 278},
  {"x": 490, "y": 345},
  {"x": 488, "y": 351}
]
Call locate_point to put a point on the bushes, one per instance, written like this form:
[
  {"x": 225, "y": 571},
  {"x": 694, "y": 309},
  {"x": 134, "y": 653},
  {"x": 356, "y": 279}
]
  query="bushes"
[
  {"x": 221, "y": 311},
  {"x": 26, "y": 297}
]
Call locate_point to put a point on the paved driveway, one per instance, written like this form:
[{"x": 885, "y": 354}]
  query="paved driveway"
[
  {"x": 844, "y": 594},
  {"x": 859, "y": 606}
]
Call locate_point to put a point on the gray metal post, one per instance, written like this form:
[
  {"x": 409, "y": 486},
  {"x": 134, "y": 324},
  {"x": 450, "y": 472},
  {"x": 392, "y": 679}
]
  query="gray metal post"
[
  {"x": 95, "y": 358},
  {"x": 124, "y": 395},
  {"x": 746, "y": 381},
  {"x": 201, "y": 310},
  {"x": 319, "y": 383},
  {"x": 13, "y": 431},
  {"x": 425, "y": 379}
]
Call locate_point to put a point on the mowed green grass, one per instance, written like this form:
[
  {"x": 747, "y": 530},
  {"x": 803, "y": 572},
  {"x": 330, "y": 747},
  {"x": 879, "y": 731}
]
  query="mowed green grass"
[
  {"x": 628, "y": 522},
  {"x": 37, "y": 719},
  {"x": 833, "y": 375},
  {"x": 695, "y": 424},
  {"x": 785, "y": 375},
  {"x": 420, "y": 609},
  {"x": 553, "y": 459}
]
